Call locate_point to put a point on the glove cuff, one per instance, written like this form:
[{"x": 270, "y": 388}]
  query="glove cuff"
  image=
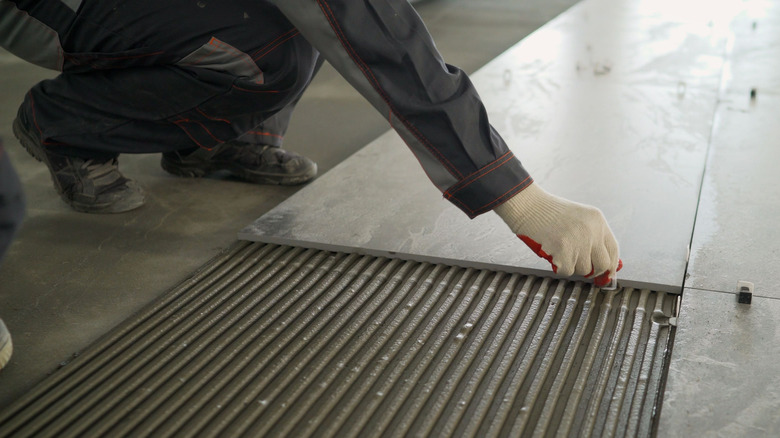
[{"x": 531, "y": 208}]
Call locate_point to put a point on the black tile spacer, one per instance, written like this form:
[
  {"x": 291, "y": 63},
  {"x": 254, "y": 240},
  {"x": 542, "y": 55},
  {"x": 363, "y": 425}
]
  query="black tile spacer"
[{"x": 744, "y": 292}]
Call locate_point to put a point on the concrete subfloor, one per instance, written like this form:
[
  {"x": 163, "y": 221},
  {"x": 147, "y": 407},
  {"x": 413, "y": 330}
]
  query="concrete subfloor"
[{"x": 70, "y": 277}]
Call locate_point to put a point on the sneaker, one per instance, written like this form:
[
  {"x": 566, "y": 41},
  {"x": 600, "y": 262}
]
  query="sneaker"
[
  {"x": 260, "y": 164},
  {"x": 6, "y": 346},
  {"x": 87, "y": 185}
]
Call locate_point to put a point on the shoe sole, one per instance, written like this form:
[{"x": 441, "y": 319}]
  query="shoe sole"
[
  {"x": 33, "y": 147},
  {"x": 198, "y": 171}
]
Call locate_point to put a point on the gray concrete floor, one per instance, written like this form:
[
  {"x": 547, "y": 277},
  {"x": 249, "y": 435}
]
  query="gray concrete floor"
[{"x": 70, "y": 277}]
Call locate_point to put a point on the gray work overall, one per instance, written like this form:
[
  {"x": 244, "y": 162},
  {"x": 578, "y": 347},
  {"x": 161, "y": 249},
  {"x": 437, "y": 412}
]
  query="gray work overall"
[{"x": 144, "y": 76}]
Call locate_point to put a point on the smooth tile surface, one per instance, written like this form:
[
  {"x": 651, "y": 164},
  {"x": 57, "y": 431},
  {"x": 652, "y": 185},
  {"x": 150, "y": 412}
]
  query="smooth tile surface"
[
  {"x": 630, "y": 139},
  {"x": 753, "y": 62},
  {"x": 662, "y": 42},
  {"x": 737, "y": 235},
  {"x": 723, "y": 375}
]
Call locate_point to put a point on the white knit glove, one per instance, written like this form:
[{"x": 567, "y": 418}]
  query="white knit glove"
[{"x": 574, "y": 238}]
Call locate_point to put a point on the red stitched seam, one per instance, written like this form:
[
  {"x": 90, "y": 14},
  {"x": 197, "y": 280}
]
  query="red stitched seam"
[
  {"x": 499, "y": 165},
  {"x": 271, "y": 49},
  {"x": 370, "y": 76},
  {"x": 274, "y": 41},
  {"x": 208, "y": 132},
  {"x": 188, "y": 134},
  {"x": 489, "y": 205},
  {"x": 265, "y": 133},
  {"x": 212, "y": 118},
  {"x": 204, "y": 128},
  {"x": 201, "y": 57},
  {"x": 228, "y": 47},
  {"x": 478, "y": 171},
  {"x": 418, "y": 160},
  {"x": 462, "y": 205},
  {"x": 495, "y": 201},
  {"x": 477, "y": 175},
  {"x": 259, "y": 56}
]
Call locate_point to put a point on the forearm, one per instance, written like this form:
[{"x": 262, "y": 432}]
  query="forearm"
[{"x": 384, "y": 50}]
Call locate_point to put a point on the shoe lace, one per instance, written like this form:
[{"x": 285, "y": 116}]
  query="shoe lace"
[
  {"x": 93, "y": 167},
  {"x": 97, "y": 170}
]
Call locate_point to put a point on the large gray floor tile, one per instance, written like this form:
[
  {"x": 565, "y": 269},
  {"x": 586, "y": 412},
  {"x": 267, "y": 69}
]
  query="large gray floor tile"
[
  {"x": 638, "y": 41},
  {"x": 631, "y": 140},
  {"x": 752, "y": 59},
  {"x": 737, "y": 235},
  {"x": 723, "y": 373}
]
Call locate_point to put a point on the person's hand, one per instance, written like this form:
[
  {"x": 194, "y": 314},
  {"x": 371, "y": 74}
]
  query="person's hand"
[{"x": 573, "y": 237}]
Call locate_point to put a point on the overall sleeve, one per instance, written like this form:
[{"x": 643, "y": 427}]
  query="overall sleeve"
[{"x": 384, "y": 50}]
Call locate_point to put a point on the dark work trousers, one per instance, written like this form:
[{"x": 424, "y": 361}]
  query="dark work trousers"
[
  {"x": 11, "y": 202},
  {"x": 153, "y": 76}
]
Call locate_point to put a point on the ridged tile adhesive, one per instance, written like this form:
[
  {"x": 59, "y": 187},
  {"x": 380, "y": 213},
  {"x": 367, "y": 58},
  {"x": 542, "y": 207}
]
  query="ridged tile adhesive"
[{"x": 270, "y": 340}]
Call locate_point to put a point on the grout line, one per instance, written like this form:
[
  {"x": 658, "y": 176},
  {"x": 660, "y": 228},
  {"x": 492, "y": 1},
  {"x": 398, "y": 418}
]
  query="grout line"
[
  {"x": 731, "y": 293},
  {"x": 679, "y": 303},
  {"x": 721, "y": 98},
  {"x": 707, "y": 156}
]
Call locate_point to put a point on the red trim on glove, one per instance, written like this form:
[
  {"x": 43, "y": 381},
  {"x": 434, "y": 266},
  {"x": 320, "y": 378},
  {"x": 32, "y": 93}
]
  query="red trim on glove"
[
  {"x": 537, "y": 248},
  {"x": 603, "y": 279},
  {"x": 593, "y": 271}
]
